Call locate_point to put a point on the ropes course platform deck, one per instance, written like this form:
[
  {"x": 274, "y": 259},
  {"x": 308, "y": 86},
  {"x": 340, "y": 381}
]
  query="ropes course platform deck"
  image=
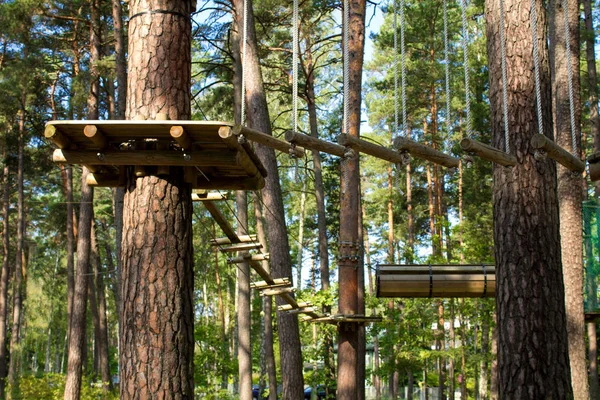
[
  {"x": 209, "y": 152},
  {"x": 436, "y": 280}
]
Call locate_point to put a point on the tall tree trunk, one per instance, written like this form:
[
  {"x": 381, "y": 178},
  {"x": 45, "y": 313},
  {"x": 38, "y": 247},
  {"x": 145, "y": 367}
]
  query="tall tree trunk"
[
  {"x": 78, "y": 320},
  {"x": 441, "y": 345},
  {"x": 102, "y": 332},
  {"x": 530, "y": 301},
  {"x": 301, "y": 232},
  {"x": 494, "y": 369},
  {"x": 161, "y": 262},
  {"x": 267, "y": 303},
  {"x": 430, "y": 198},
  {"x": 68, "y": 186},
  {"x": 570, "y": 185},
  {"x": 243, "y": 308},
  {"x": 485, "y": 348},
  {"x": 4, "y": 302},
  {"x": 18, "y": 287},
  {"x": 451, "y": 380},
  {"x": 121, "y": 63},
  {"x": 329, "y": 365},
  {"x": 463, "y": 346},
  {"x": 460, "y": 212},
  {"x": 362, "y": 342},
  {"x": 258, "y": 118}
]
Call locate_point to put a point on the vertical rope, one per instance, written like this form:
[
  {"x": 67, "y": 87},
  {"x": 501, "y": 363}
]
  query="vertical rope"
[
  {"x": 570, "y": 77},
  {"x": 465, "y": 38},
  {"x": 536, "y": 65},
  {"x": 295, "y": 45},
  {"x": 403, "y": 66},
  {"x": 396, "y": 103},
  {"x": 447, "y": 70},
  {"x": 504, "y": 80},
  {"x": 346, "y": 28},
  {"x": 244, "y": 45}
]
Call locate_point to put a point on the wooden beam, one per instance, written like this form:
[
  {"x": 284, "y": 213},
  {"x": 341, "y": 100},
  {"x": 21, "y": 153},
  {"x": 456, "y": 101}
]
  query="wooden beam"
[
  {"x": 315, "y": 144},
  {"x": 594, "y": 163},
  {"x": 55, "y": 136},
  {"x": 277, "y": 282},
  {"x": 241, "y": 238},
  {"x": 91, "y": 132},
  {"x": 105, "y": 180},
  {"x": 303, "y": 310},
  {"x": 425, "y": 152},
  {"x": 144, "y": 158},
  {"x": 557, "y": 153},
  {"x": 240, "y": 247},
  {"x": 249, "y": 257},
  {"x": 252, "y": 183},
  {"x": 287, "y": 307},
  {"x": 208, "y": 196},
  {"x": 221, "y": 221},
  {"x": 277, "y": 291},
  {"x": 178, "y": 133},
  {"x": 268, "y": 140},
  {"x": 370, "y": 148},
  {"x": 488, "y": 152}
]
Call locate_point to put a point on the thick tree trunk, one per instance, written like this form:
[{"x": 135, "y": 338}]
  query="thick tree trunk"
[
  {"x": 485, "y": 344},
  {"x": 68, "y": 186},
  {"x": 243, "y": 307},
  {"x": 301, "y": 217},
  {"x": 157, "y": 335},
  {"x": 78, "y": 320},
  {"x": 441, "y": 345},
  {"x": 530, "y": 300},
  {"x": 362, "y": 342},
  {"x": 267, "y": 303},
  {"x": 494, "y": 369},
  {"x": 18, "y": 287},
  {"x": 4, "y": 303},
  {"x": 463, "y": 356},
  {"x": 570, "y": 185},
  {"x": 279, "y": 247},
  {"x": 121, "y": 63},
  {"x": 451, "y": 380}
]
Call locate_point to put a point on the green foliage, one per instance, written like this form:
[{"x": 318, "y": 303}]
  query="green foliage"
[{"x": 52, "y": 387}]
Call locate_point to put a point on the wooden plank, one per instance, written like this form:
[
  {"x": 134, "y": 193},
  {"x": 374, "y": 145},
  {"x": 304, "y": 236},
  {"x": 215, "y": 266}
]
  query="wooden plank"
[
  {"x": 249, "y": 257},
  {"x": 240, "y": 247},
  {"x": 370, "y": 148},
  {"x": 287, "y": 307},
  {"x": 210, "y": 196},
  {"x": 310, "y": 142},
  {"x": 221, "y": 221},
  {"x": 488, "y": 152},
  {"x": 277, "y": 282},
  {"x": 105, "y": 180},
  {"x": 241, "y": 238},
  {"x": 257, "y": 266},
  {"x": 557, "y": 153},
  {"x": 426, "y": 153},
  {"x": 268, "y": 140},
  {"x": 145, "y": 158},
  {"x": 277, "y": 291},
  {"x": 303, "y": 310}
]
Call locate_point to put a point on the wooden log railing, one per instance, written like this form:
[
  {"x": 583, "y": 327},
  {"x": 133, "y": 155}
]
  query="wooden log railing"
[
  {"x": 369, "y": 148},
  {"x": 557, "y": 153},
  {"x": 268, "y": 140},
  {"x": 313, "y": 143},
  {"x": 488, "y": 152}
]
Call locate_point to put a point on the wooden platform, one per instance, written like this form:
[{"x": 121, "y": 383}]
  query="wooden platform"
[{"x": 208, "y": 151}]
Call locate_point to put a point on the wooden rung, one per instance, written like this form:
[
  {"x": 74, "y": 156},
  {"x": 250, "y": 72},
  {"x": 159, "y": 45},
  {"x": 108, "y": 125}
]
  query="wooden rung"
[
  {"x": 181, "y": 136},
  {"x": 310, "y": 142},
  {"x": 93, "y": 133},
  {"x": 370, "y": 148},
  {"x": 488, "y": 152},
  {"x": 287, "y": 307},
  {"x": 425, "y": 152},
  {"x": 268, "y": 140},
  {"x": 337, "y": 318},
  {"x": 557, "y": 153},
  {"x": 241, "y": 247},
  {"x": 144, "y": 157},
  {"x": 210, "y": 196},
  {"x": 105, "y": 180},
  {"x": 56, "y": 137},
  {"x": 278, "y": 291},
  {"x": 303, "y": 310},
  {"x": 242, "y": 239},
  {"x": 278, "y": 282},
  {"x": 250, "y": 257}
]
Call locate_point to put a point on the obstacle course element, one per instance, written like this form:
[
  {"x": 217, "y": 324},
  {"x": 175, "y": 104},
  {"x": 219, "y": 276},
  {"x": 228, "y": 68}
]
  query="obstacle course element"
[
  {"x": 488, "y": 152},
  {"x": 436, "y": 280},
  {"x": 557, "y": 153},
  {"x": 211, "y": 155}
]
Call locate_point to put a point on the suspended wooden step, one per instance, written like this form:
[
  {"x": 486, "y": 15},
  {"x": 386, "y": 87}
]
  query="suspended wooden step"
[
  {"x": 268, "y": 140},
  {"x": 436, "y": 281},
  {"x": 226, "y": 240},
  {"x": 208, "y": 151},
  {"x": 425, "y": 152},
  {"x": 594, "y": 163},
  {"x": 557, "y": 153},
  {"x": 277, "y": 291},
  {"x": 592, "y": 316},
  {"x": 277, "y": 283},
  {"x": 369, "y": 148},
  {"x": 488, "y": 152},
  {"x": 203, "y": 195},
  {"x": 348, "y": 318},
  {"x": 309, "y": 142}
]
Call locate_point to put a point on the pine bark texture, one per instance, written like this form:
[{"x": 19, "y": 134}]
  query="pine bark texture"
[
  {"x": 157, "y": 336},
  {"x": 533, "y": 360},
  {"x": 4, "y": 278},
  {"x": 570, "y": 185},
  {"x": 348, "y": 335},
  {"x": 279, "y": 247},
  {"x": 78, "y": 318}
]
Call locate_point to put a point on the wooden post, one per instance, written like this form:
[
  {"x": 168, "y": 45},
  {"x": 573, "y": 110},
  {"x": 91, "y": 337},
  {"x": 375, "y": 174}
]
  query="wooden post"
[
  {"x": 488, "y": 152},
  {"x": 181, "y": 137},
  {"x": 56, "y": 137},
  {"x": 557, "y": 153},
  {"x": 424, "y": 152},
  {"x": 594, "y": 163},
  {"x": 92, "y": 133},
  {"x": 313, "y": 143}
]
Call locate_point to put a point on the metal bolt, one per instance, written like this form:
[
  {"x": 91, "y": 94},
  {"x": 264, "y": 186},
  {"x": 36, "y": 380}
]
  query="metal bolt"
[
  {"x": 100, "y": 156},
  {"x": 187, "y": 157}
]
